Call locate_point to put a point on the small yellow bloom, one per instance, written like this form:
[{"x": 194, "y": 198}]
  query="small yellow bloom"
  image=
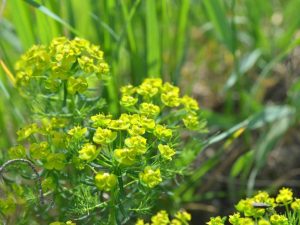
[
  {"x": 88, "y": 152},
  {"x": 138, "y": 143},
  {"x": 166, "y": 151},
  {"x": 125, "y": 156},
  {"x": 150, "y": 177},
  {"x": 285, "y": 196},
  {"x": 161, "y": 218},
  {"x": 162, "y": 132},
  {"x": 128, "y": 101},
  {"x": 104, "y": 136},
  {"x": 78, "y": 132},
  {"x": 105, "y": 181},
  {"x": 149, "y": 110}
]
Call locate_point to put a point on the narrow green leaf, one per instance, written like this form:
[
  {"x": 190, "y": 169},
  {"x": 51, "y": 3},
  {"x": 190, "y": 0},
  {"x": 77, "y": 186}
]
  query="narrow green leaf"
[
  {"x": 52, "y": 15},
  {"x": 152, "y": 38}
]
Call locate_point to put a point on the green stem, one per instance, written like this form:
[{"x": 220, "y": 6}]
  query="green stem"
[
  {"x": 113, "y": 213},
  {"x": 65, "y": 95}
]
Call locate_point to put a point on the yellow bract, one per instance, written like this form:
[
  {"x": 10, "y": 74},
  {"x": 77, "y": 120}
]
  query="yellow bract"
[
  {"x": 150, "y": 177},
  {"x": 105, "y": 181}
]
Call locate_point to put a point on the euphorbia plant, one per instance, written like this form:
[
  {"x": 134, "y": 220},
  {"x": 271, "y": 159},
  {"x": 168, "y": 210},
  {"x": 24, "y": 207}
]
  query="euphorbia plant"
[
  {"x": 98, "y": 168},
  {"x": 262, "y": 209}
]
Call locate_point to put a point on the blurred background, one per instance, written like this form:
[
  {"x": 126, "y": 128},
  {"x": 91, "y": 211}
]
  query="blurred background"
[{"x": 239, "y": 58}]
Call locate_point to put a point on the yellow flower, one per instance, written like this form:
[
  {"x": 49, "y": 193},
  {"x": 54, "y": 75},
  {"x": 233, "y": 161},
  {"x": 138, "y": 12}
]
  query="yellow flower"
[
  {"x": 296, "y": 205},
  {"x": 138, "y": 143},
  {"x": 149, "y": 110},
  {"x": 136, "y": 130},
  {"x": 128, "y": 90},
  {"x": 101, "y": 120},
  {"x": 104, "y": 136},
  {"x": 215, "y": 221},
  {"x": 170, "y": 95},
  {"x": 183, "y": 216},
  {"x": 191, "y": 121},
  {"x": 189, "y": 103},
  {"x": 105, "y": 181},
  {"x": 162, "y": 132},
  {"x": 150, "y": 177},
  {"x": 285, "y": 196},
  {"x": 125, "y": 156},
  {"x": 123, "y": 123},
  {"x": 141, "y": 222},
  {"x": 78, "y": 132},
  {"x": 88, "y": 152},
  {"x": 161, "y": 218},
  {"x": 27, "y": 131},
  {"x": 263, "y": 222},
  {"x": 128, "y": 101},
  {"x": 148, "y": 124},
  {"x": 278, "y": 220},
  {"x": 166, "y": 151},
  {"x": 148, "y": 88}
]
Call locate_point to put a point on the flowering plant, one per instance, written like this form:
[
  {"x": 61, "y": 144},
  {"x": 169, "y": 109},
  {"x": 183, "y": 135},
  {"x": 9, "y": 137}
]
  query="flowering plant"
[
  {"x": 94, "y": 164},
  {"x": 262, "y": 209}
]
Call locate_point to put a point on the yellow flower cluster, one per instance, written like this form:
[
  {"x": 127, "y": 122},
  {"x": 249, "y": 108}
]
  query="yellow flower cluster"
[
  {"x": 261, "y": 210},
  {"x": 46, "y": 68},
  {"x": 162, "y": 218},
  {"x": 153, "y": 90}
]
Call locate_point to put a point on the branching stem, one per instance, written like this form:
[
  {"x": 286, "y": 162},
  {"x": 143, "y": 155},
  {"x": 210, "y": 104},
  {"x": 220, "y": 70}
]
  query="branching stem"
[{"x": 30, "y": 164}]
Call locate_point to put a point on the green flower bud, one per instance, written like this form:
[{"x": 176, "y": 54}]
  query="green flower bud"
[
  {"x": 77, "y": 85},
  {"x": 55, "y": 161},
  {"x": 191, "y": 121},
  {"x": 39, "y": 151},
  {"x": 17, "y": 152}
]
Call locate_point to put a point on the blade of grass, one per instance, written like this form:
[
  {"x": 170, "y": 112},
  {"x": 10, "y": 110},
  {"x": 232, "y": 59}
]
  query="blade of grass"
[
  {"x": 52, "y": 15},
  {"x": 152, "y": 40},
  {"x": 216, "y": 13},
  {"x": 181, "y": 38},
  {"x": 22, "y": 22}
]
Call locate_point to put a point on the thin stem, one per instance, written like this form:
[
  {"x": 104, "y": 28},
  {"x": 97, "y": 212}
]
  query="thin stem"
[
  {"x": 30, "y": 164},
  {"x": 65, "y": 95}
]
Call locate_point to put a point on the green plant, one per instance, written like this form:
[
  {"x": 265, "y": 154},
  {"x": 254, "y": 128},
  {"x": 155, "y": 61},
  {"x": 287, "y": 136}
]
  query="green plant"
[
  {"x": 262, "y": 209},
  {"x": 93, "y": 163}
]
